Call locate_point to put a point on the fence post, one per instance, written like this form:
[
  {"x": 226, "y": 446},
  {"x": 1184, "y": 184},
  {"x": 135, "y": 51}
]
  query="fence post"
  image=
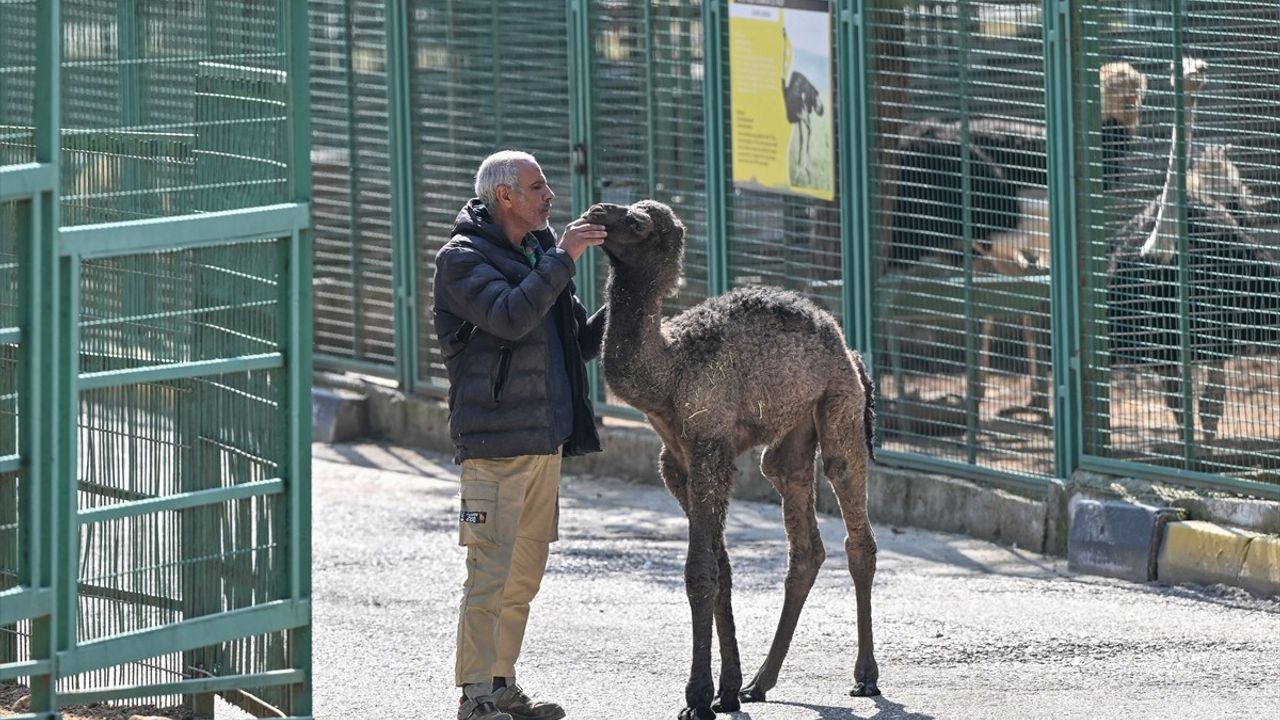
[
  {"x": 1059, "y": 41},
  {"x": 857, "y": 186},
  {"x": 582, "y": 149},
  {"x": 297, "y": 341},
  {"x": 713, "y": 130},
  {"x": 400, "y": 155}
]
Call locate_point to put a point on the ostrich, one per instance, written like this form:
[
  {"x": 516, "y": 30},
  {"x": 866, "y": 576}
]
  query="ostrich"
[
  {"x": 1007, "y": 179},
  {"x": 752, "y": 367},
  {"x": 1233, "y": 296}
]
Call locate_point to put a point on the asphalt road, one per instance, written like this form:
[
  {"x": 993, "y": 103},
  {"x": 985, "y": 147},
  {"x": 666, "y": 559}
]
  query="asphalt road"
[{"x": 964, "y": 629}]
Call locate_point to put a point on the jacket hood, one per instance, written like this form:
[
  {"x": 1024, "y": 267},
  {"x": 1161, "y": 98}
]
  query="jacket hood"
[{"x": 474, "y": 219}]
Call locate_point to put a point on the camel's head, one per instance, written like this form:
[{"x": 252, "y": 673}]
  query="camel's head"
[{"x": 645, "y": 235}]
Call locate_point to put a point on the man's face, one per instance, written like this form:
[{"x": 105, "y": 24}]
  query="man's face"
[{"x": 530, "y": 201}]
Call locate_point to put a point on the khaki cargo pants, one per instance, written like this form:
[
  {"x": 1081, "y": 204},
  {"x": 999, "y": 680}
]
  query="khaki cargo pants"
[{"x": 510, "y": 513}]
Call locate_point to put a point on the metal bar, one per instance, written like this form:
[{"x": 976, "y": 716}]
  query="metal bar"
[
  {"x": 21, "y": 603},
  {"x": 182, "y": 501},
  {"x": 713, "y": 132},
  {"x": 854, "y": 46},
  {"x": 23, "y": 181},
  {"x": 270, "y": 678},
  {"x": 582, "y": 186},
  {"x": 972, "y": 381},
  {"x": 1146, "y": 471},
  {"x": 181, "y": 371},
  {"x": 953, "y": 468},
  {"x": 10, "y": 463},
  {"x": 296, "y": 335},
  {"x": 1184, "y": 274},
  {"x": 30, "y": 668},
  {"x": 47, "y": 501},
  {"x": 185, "y": 635},
  {"x": 353, "y": 193},
  {"x": 400, "y": 148},
  {"x": 650, "y": 110},
  {"x": 186, "y": 231},
  {"x": 1095, "y": 406},
  {"x": 66, "y": 404},
  {"x": 297, "y": 468},
  {"x": 1064, "y": 241},
  {"x": 333, "y": 362}
]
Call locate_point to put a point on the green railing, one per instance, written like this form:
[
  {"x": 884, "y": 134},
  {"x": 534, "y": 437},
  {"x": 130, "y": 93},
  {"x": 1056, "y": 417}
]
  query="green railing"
[
  {"x": 155, "y": 354},
  {"x": 1010, "y": 336}
]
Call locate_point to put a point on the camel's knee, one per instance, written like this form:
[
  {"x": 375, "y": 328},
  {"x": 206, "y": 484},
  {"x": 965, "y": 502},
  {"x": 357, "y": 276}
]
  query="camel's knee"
[{"x": 860, "y": 545}]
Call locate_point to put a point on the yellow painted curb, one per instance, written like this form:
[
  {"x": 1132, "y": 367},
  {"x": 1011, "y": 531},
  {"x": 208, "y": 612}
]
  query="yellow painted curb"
[
  {"x": 1261, "y": 570},
  {"x": 1194, "y": 551}
]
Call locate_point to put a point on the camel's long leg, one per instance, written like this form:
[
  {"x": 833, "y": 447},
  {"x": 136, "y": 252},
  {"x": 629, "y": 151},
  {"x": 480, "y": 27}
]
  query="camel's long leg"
[
  {"x": 726, "y": 699},
  {"x": 710, "y": 477},
  {"x": 789, "y": 466},
  {"x": 844, "y": 462}
]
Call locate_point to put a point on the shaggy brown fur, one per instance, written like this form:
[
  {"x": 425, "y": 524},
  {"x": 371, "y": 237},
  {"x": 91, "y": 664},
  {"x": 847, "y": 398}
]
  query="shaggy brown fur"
[{"x": 751, "y": 367}]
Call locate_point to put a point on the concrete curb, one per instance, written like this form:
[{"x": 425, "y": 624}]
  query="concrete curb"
[
  {"x": 1116, "y": 539},
  {"x": 1204, "y": 553}
]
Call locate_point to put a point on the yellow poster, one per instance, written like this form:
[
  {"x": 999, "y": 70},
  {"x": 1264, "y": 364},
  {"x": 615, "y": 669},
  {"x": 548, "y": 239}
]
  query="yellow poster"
[{"x": 780, "y": 89}]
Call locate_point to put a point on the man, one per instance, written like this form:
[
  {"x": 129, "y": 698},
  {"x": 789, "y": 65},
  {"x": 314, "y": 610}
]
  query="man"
[{"x": 515, "y": 339}]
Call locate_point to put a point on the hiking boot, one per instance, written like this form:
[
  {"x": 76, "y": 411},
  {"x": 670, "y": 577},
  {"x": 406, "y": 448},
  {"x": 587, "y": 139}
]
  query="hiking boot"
[
  {"x": 483, "y": 710},
  {"x": 511, "y": 699}
]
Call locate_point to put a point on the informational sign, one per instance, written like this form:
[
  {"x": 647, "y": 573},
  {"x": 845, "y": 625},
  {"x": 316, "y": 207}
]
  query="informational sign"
[{"x": 780, "y": 86}]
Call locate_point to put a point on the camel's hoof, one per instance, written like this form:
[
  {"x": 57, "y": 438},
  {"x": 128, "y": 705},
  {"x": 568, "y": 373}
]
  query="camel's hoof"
[
  {"x": 864, "y": 689},
  {"x": 728, "y": 704},
  {"x": 751, "y": 694},
  {"x": 697, "y": 714}
]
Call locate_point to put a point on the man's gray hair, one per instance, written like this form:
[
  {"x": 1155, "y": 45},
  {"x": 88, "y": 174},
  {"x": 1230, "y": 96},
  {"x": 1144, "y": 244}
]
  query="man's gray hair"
[{"x": 500, "y": 168}]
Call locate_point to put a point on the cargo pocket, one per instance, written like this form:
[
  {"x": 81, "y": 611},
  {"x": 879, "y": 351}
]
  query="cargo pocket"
[{"x": 478, "y": 518}]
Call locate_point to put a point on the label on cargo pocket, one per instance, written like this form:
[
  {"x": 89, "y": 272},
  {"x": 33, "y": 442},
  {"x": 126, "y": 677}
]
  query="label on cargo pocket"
[{"x": 477, "y": 519}]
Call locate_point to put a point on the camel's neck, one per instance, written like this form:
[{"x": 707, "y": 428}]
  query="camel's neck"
[{"x": 636, "y": 355}]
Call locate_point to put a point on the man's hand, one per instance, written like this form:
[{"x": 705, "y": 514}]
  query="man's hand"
[{"x": 580, "y": 235}]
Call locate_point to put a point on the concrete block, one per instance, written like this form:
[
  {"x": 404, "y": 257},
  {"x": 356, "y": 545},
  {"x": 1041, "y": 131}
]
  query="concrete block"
[
  {"x": 338, "y": 415},
  {"x": 1115, "y": 538},
  {"x": 1260, "y": 572},
  {"x": 1202, "y": 552}
]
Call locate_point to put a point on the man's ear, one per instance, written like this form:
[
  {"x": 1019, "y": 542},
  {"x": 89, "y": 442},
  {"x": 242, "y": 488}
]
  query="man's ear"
[{"x": 504, "y": 195}]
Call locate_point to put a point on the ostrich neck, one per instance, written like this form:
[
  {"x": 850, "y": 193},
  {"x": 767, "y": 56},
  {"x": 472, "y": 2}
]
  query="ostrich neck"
[
  {"x": 1162, "y": 242},
  {"x": 636, "y": 355}
]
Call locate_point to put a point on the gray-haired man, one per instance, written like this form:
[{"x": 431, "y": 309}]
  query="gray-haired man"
[{"x": 515, "y": 340}]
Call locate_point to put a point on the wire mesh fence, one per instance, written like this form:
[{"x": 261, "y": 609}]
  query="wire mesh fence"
[
  {"x": 961, "y": 233},
  {"x": 964, "y": 330},
  {"x": 1184, "y": 270},
  {"x": 351, "y": 189},
  {"x": 479, "y": 85}
]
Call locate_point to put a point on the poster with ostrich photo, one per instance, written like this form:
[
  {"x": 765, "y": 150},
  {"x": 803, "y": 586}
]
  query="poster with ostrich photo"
[{"x": 780, "y": 94}]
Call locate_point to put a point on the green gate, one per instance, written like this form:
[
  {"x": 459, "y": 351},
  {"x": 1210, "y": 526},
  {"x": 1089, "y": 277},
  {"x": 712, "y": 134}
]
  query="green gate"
[{"x": 160, "y": 251}]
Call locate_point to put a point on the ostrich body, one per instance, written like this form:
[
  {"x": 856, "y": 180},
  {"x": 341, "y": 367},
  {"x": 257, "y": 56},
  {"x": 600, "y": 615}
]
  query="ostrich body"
[
  {"x": 752, "y": 367},
  {"x": 1007, "y": 180},
  {"x": 1233, "y": 295}
]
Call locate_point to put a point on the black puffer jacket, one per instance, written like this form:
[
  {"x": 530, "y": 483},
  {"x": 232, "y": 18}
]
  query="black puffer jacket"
[{"x": 488, "y": 307}]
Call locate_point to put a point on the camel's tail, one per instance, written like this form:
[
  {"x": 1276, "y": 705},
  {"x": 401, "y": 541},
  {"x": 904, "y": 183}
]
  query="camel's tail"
[{"x": 869, "y": 406}]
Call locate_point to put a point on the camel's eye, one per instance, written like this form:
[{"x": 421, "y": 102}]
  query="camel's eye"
[{"x": 639, "y": 221}]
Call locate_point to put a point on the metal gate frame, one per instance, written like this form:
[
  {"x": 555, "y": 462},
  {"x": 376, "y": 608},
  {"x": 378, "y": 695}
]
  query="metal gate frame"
[{"x": 51, "y": 383}]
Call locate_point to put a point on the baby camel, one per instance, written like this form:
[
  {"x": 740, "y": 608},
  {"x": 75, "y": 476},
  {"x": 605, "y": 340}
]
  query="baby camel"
[{"x": 752, "y": 367}]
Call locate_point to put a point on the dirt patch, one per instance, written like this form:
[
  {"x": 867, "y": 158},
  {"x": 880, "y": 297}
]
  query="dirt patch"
[{"x": 11, "y": 693}]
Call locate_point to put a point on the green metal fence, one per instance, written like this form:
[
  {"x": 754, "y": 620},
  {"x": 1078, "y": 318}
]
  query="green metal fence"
[
  {"x": 155, "y": 244},
  {"x": 988, "y": 156}
]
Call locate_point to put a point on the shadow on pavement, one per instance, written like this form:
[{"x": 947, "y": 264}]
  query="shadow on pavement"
[{"x": 886, "y": 709}]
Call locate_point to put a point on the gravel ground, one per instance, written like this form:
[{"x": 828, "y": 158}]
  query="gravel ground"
[{"x": 964, "y": 629}]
